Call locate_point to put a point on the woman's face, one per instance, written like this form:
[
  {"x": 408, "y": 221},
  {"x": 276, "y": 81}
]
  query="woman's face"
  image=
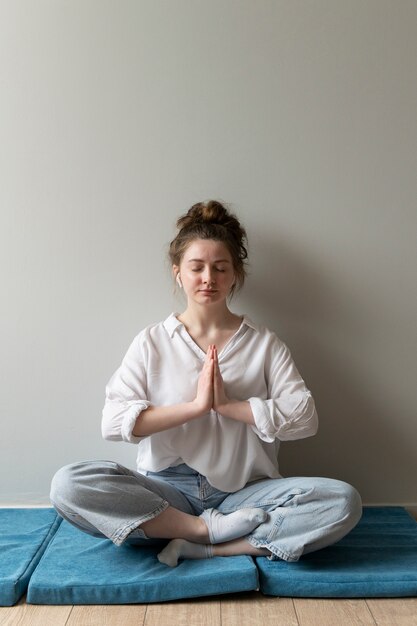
[{"x": 206, "y": 271}]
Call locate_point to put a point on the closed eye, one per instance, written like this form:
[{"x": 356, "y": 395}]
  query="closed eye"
[{"x": 199, "y": 269}]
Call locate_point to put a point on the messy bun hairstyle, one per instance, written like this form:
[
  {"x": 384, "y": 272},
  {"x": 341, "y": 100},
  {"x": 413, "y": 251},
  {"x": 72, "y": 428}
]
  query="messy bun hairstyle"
[{"x": 212, "y": 220}]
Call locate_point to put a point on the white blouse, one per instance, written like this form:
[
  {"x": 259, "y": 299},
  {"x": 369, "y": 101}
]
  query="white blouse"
[{"x": 162, "y": 366}]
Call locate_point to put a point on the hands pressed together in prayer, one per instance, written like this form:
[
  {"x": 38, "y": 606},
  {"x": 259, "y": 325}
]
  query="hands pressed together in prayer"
[
  {"x": 210, "y": 387},
  {"x": 210, "y": 395}
]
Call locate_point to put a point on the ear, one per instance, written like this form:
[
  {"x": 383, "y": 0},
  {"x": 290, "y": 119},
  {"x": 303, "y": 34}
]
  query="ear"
[{"x": 176, "y": 273}]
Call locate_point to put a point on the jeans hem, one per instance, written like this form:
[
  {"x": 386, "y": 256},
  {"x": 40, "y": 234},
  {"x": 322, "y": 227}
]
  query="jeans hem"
[
  {"x": 120, "y": 535},
  {"x": 276, "y": 552}
]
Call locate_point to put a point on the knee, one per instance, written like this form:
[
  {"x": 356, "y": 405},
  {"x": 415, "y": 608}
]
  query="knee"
[
  {"x": 341, "y": 502},
  {"x": 350, "y": 505},
  {"x": 69, "y": 482},
  {"x": 73, "y": 483},
  {"x": 63, "y": 485}
]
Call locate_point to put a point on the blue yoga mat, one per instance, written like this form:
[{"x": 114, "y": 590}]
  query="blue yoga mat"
[
  {"x": 24, "y": 536},
  {"x": 80, "y": 569},
  {"x": 377, "y": 559}
]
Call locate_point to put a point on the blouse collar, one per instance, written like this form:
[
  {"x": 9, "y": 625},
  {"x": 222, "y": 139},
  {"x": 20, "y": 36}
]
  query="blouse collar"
[{"x": 172, "y": 323}]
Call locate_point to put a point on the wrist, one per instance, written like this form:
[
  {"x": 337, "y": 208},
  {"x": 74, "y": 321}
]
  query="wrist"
[
  {"x": 221, "y": 407},
  {"x": 197, "y": 409}
]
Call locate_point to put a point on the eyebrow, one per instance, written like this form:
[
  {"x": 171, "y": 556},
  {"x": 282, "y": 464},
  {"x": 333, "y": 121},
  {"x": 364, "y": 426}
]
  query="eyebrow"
[{"x": 216, "y": 261}]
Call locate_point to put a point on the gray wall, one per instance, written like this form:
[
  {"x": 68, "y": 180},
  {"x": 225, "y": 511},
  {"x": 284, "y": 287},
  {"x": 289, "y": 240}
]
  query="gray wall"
[{"x": 115, "y": 117}]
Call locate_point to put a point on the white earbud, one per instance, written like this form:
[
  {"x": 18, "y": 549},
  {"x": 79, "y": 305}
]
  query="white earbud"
[{"x": 179, "y": 281}]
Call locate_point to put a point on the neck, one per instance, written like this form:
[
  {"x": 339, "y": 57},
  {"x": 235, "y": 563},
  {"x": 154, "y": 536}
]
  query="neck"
[{"x": 205, "y": 318}]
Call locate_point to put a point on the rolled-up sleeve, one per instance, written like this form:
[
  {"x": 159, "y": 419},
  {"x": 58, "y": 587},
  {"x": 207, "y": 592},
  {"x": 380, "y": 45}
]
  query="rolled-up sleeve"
[
  {"x": 289, "y": 411},
  {"x": 125, "y": 397}
]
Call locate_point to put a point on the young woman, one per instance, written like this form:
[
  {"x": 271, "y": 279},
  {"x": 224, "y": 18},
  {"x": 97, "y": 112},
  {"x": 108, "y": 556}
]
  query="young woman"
[{"x": 207, "y": 395}]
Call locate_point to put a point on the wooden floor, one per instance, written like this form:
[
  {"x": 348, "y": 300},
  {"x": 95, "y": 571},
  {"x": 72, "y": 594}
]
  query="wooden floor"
[{"x": 246, "y": 609}]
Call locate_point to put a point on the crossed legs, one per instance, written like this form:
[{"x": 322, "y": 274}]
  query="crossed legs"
[{"x": 283, "y": 518}]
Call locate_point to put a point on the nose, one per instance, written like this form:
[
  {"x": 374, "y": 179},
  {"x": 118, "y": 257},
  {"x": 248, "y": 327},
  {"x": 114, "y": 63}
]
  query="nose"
[{"x": 208, "y": 277}]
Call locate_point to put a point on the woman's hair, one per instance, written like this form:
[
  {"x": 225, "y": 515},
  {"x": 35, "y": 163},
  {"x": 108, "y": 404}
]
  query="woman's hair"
[{"x": 211, "y": 220}]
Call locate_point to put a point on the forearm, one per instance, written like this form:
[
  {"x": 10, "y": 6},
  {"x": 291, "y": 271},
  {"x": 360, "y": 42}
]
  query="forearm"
[
  {"x": 239, "y": 410},
  {"x": 155, "y": 419}
]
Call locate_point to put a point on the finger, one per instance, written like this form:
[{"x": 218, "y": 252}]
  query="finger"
[
  {"x": 217, "y": 374},
  {"x": 209, "y": 355},
  {"x": 216, "y": 357},
  {"x": 210, "y": 373},
  {"x": 209, "y": 368}
]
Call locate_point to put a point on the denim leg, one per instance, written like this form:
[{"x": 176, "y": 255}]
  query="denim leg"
[
  {"x": 305, "y": 514},
  {"x": 103, "y": 498}
]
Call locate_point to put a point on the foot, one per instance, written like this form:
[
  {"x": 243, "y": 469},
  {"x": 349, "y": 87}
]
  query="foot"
[
  {"x": 183, "y": 549},
  {"x": 223, "y": 528}
]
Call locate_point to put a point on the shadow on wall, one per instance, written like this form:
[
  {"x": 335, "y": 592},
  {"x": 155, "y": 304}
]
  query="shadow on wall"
[{"x": 362, "y": 435}]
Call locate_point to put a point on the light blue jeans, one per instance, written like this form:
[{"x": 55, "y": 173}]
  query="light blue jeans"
[{"x": 103, "y": 498}]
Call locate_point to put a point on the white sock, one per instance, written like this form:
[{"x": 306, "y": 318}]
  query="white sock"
[
  {"x": 183, "y": 549},
  {"x": 238, "y": 524}
]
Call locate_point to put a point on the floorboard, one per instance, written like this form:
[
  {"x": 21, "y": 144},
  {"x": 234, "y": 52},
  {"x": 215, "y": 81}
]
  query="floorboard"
[
  {"x": 256, "y": 609},
  {"x": 246, "y": 609},
  {"x": 394, "y": 612},
  {"x": 108, "y": 615},
  {"x": 199, "y": 612},
  {"x": 333, "y": 612},
  {"x": 23, "y": 614}
]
